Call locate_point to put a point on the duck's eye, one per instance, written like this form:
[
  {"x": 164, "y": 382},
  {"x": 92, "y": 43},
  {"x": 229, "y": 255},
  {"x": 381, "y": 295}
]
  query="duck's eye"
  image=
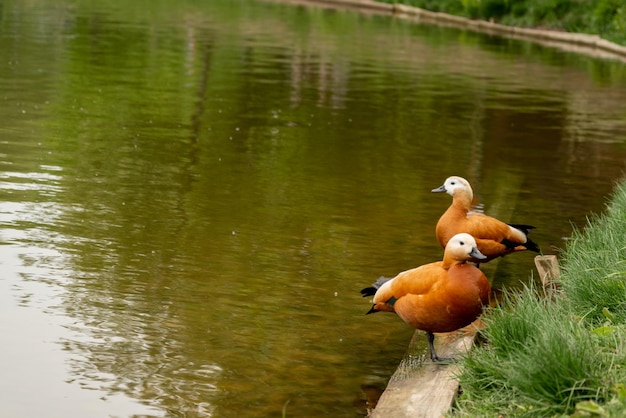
[
  {"x": 462, "y": 243},
  {"x": 453, "y": 183}
]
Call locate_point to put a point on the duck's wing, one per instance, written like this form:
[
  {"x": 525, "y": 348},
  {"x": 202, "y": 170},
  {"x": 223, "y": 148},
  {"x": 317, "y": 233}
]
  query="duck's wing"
[
  {"x": 486, "y": 227},
  {"x": 416, "y": 281}
]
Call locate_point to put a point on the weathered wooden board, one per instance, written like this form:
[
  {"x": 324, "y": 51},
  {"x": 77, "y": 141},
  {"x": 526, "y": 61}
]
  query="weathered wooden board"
[{"x": 420, "y": 388}]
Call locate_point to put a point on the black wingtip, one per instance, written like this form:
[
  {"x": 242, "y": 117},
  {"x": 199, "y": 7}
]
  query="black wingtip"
[
  {"x": 372, "y": 310},
  {"x": 530, "y": 244}
]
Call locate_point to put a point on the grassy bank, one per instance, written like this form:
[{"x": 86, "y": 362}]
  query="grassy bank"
[
  {"x": 564, "y": 356},
  {"x": 606, "y": 18}
]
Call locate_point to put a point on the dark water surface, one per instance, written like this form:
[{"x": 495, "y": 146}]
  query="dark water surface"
[{"x": 192, "y": 193}]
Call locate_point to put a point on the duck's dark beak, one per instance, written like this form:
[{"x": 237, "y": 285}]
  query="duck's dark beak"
[
  {"x": 441, "y": 189},
  {"x": 477, "y": 254}
]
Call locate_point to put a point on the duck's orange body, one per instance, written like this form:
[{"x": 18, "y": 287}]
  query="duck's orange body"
[
  {"x": 438, "y": 297},
  {"x": 493, "y": 237},
  {"x": 435, "y": 299}
]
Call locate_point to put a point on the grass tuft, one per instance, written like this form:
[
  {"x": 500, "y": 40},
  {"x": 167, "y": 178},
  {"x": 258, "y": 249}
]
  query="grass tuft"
[{"x": 594, "y": 264}]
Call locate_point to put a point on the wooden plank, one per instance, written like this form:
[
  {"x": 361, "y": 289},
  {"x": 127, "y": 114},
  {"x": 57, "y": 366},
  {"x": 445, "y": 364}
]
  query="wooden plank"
[{"x": 421, "y": 388}]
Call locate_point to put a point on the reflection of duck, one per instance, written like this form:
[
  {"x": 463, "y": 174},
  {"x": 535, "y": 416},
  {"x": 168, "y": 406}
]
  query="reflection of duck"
[
  {"x": 494, "y": 238},
  {"x": 438, "y": 297}
]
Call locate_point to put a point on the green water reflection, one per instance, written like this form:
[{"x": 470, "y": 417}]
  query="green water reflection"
[{"x": 193, "y": 193}]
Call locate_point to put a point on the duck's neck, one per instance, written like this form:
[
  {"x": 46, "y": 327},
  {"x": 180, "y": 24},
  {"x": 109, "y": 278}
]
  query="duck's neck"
[
  {"x": 462, "y": 200},
  {"x": 450, "y": 261}
]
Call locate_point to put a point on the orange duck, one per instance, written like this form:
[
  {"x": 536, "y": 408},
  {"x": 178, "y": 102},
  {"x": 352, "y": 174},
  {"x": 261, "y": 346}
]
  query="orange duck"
[
  {"x": 494, "y": 238},
  {"x": 438, "y": 297}
]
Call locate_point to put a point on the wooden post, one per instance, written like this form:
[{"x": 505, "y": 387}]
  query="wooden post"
[{"x": 549, "y": 272}]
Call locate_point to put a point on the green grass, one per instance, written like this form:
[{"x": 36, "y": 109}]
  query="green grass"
[
  {"x": 594, "y": 265},
  {"x": 564, "y": 356},
  {"x": 606, "y": 18}
]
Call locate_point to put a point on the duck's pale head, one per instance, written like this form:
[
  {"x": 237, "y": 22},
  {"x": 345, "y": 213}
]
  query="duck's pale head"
[
  {"x": 462, "y": 247},
  {"x": 454, "y": 184}
]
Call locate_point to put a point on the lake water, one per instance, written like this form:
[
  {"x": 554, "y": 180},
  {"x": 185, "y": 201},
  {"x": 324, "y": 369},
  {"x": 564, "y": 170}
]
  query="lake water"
[{"x": 192, "y": 193}]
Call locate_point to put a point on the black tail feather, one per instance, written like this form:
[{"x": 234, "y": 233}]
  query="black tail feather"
[
  {"x": 532, "y": 246},
  {"x": 371, "y": 291},
  {"x": 368, "y": 291}
]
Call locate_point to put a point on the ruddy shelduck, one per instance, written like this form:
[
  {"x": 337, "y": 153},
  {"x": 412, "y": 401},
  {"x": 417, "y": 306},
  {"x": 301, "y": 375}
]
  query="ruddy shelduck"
[
  {"x": 438, "y": 297},
  {"x": 494, "y": 237}
]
